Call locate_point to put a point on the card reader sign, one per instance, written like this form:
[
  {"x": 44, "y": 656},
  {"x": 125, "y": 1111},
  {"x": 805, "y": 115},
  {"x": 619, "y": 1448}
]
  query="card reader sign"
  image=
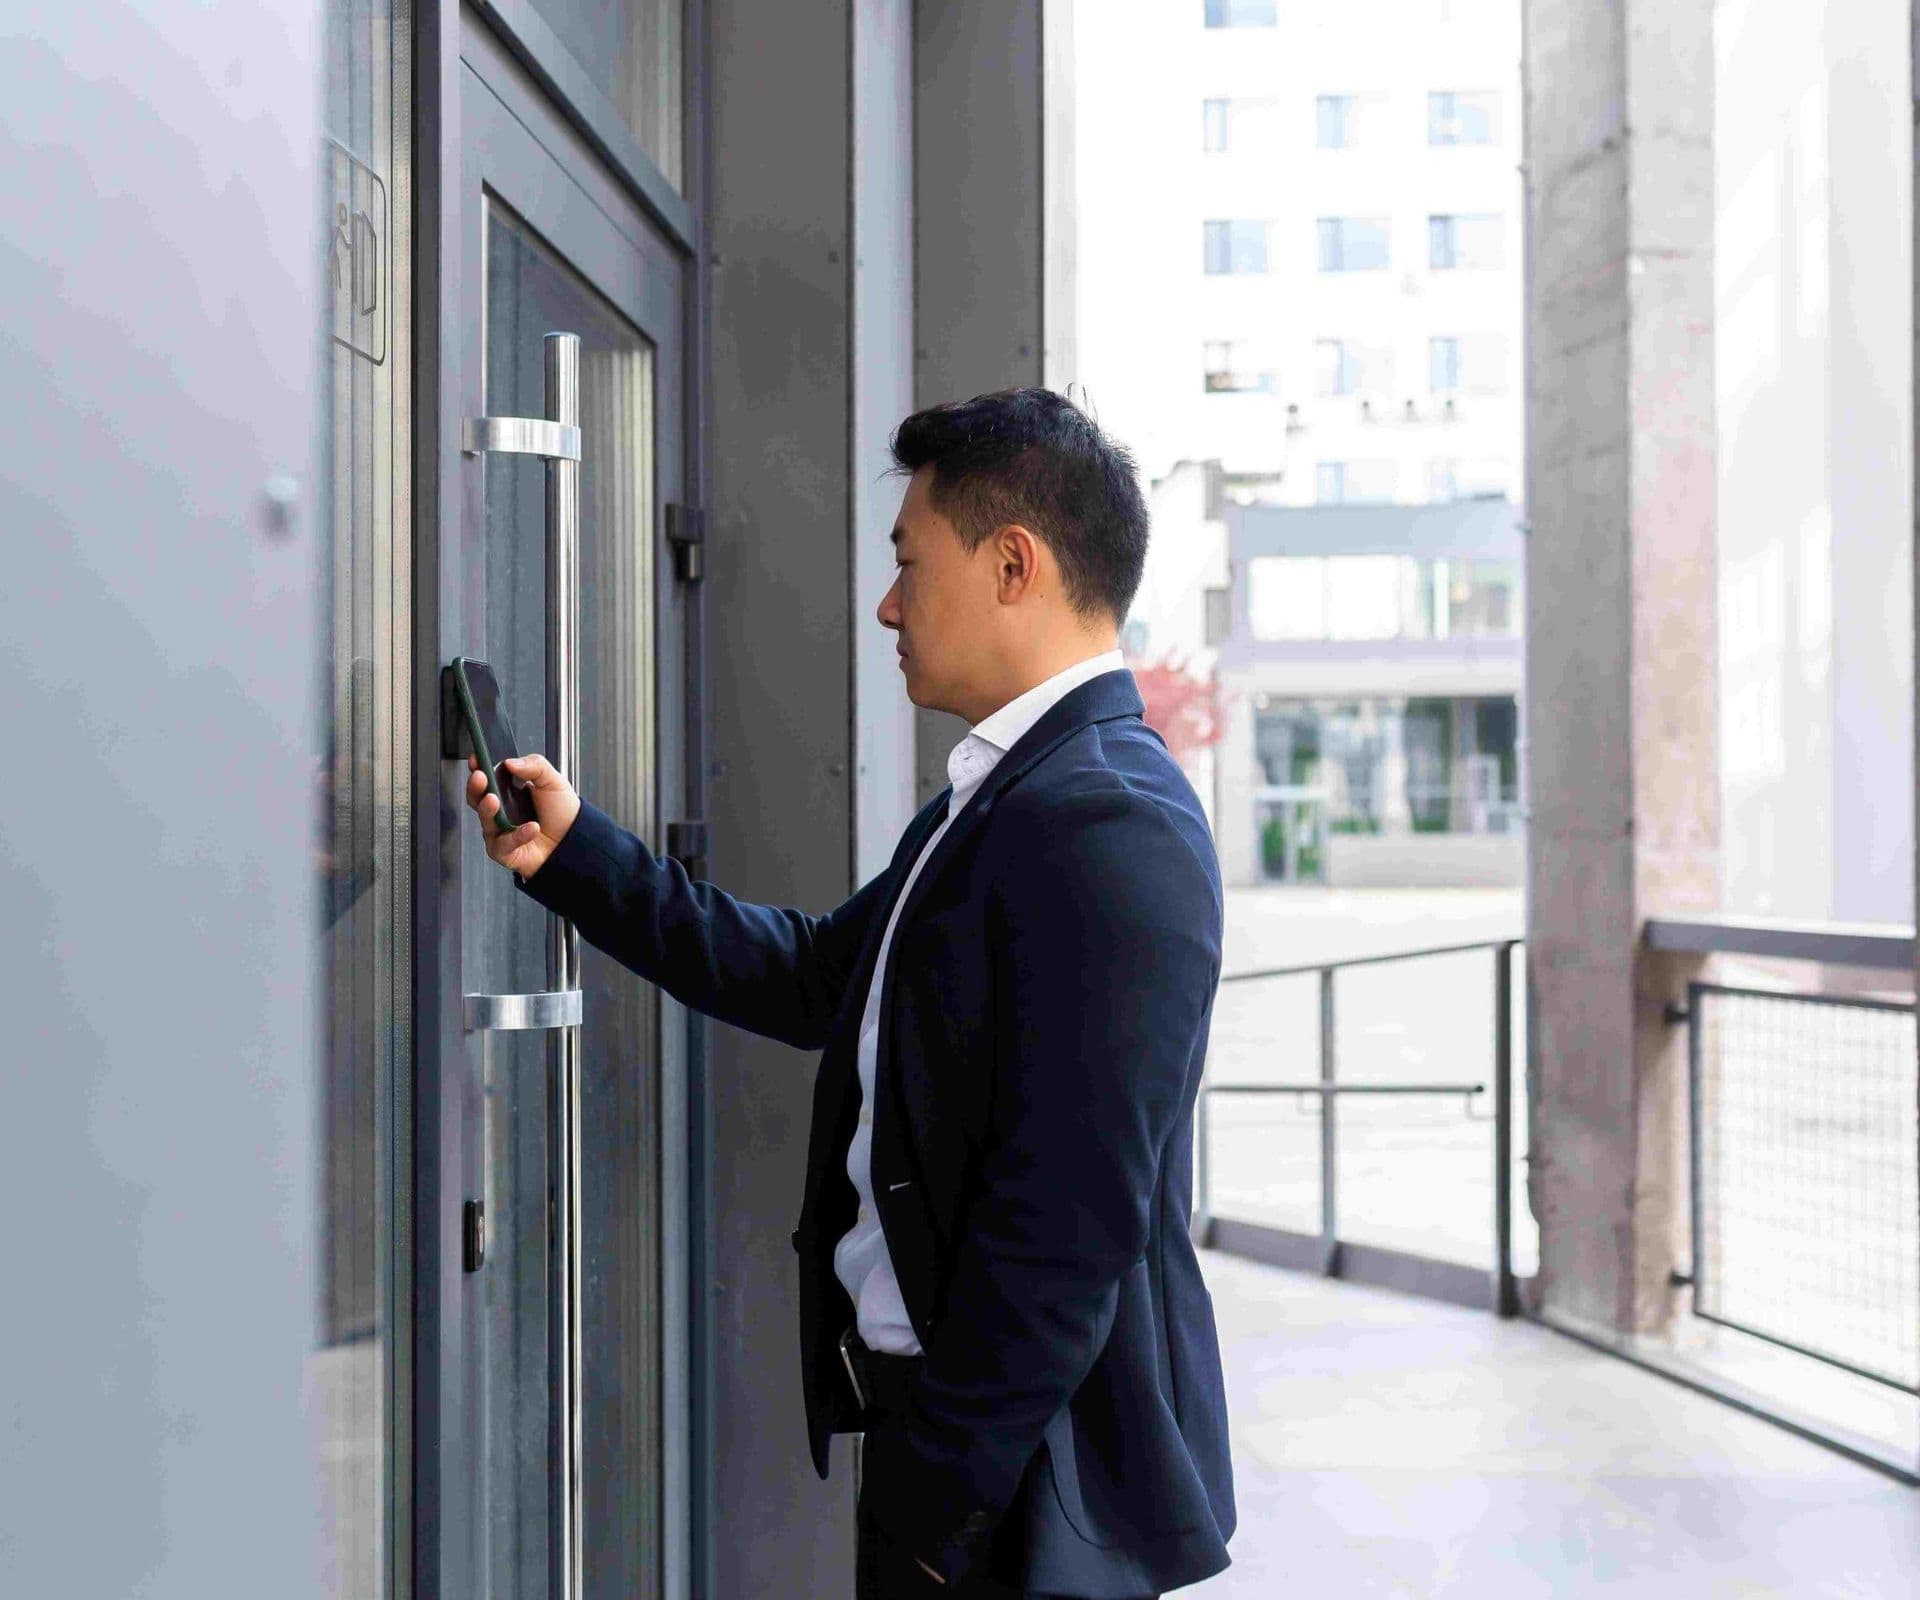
[{"x": 356, "y": 265}]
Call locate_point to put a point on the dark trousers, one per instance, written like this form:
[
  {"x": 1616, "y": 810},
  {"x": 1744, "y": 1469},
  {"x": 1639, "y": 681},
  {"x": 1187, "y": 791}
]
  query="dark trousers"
[{"x": 882, "y": 1570}]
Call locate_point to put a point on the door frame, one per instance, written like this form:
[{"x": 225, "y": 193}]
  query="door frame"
[{"x": 505, "y": 43}]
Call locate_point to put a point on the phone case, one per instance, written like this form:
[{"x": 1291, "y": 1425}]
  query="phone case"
[{"x": 479, "y": 740}]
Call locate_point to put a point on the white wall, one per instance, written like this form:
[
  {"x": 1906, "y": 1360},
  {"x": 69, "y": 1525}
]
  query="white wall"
[
  {"x": 157, "y": 950},
  {"x": 1813, "y": 307}
]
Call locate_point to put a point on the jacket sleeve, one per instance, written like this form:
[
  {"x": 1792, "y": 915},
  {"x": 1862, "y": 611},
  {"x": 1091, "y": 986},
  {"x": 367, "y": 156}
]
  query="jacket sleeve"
[
  {"x": 767, "y": 969},
  {"x": 1106, "y": 935}
]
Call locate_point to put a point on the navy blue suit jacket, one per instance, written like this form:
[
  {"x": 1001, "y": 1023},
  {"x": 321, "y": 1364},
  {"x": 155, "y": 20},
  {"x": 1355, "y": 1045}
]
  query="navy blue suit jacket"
[{"x": 1043, "y": 1024}]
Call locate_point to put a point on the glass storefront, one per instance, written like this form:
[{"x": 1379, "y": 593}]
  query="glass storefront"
[
  {"x": 1385, "y": 766},
  {"x": 1378, "y": 597}
]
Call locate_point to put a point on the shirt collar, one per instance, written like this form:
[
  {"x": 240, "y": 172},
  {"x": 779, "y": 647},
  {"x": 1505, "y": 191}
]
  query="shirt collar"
[{"x": 994, "y": 735}]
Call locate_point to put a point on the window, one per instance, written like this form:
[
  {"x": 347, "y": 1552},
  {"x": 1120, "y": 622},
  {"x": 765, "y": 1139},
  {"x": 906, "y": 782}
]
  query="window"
[
  {"x": 1213, "y": 125},
  {"x": 1346, "y": 121},
  {"x": 1219, "y": 615},
  {"x": 1133, "y": 637},
  {"x": 1243, "y": 123},
  {"x": 1353, "y": 244},
  {"x": 1379, "y": 597},
  {"x": 1335, "y": 367},
  {"x": 1342, "y": 366},
  {"x": 1473, "y": 363},
  {"x": 1465, "y": 243},
  {"x": 1234, "y": 366},
  {"x": 1456, "y": 118},
  {"x": 1235, "y": 247},
  {"x": 1454, "y": 479},
  {"x": 1338, "y": 483},
  {"x": 1240, "y": 13},
  {"x": 1337, "y": 125}
]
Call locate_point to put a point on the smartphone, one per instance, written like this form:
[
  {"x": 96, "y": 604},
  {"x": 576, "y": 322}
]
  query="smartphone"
[{"x": 492, "y": 737}]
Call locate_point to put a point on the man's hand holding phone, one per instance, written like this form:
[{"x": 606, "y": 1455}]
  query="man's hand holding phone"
[{"x": 555, "y": 805}]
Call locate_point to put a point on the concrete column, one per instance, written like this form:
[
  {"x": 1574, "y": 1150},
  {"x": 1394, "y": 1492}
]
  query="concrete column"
[{"x": 1621, "y": 627}]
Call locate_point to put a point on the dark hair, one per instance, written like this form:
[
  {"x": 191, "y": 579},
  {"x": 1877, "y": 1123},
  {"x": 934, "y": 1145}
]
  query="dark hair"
[{"x": 1033, "y": 457}]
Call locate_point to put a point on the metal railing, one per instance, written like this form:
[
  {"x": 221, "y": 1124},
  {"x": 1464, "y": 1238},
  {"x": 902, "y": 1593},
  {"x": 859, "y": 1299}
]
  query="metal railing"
[
  {"x": 1805, "y": 1175},
  {"x": 1803, "y": 1166},
  {"x": 1326, "y": 1252}
]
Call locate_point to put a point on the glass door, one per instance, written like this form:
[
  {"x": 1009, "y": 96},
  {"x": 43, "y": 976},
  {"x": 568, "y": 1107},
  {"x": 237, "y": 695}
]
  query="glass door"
[{"x": 571, "y": 316}]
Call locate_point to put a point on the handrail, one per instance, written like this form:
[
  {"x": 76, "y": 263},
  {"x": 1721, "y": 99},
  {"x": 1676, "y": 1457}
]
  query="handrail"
[
  {"x": 1345, "y": 1088},
  {"x": 1369, "y": 961},
  {"x": 1888, "y": 946},
  {"x": 1329, "y": 1253}
]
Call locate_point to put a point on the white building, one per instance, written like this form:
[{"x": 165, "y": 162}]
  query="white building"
[{"x": 1326, "y": 304}]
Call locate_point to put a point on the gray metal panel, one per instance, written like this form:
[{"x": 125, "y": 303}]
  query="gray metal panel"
[
  {"x": 981, "y": 222},
  {"x": 157, "y": 640},
  {"x": 781, "y": 713},
  {"x": 1482, "y": 527}
]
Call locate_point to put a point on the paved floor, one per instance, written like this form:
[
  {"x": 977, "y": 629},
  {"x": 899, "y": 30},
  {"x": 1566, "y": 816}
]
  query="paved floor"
[{"x": 1391, "y": 1447}]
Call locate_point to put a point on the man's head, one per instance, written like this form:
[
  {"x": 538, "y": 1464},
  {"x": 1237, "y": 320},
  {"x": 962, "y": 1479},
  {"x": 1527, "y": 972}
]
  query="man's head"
[{"x": 1020, "y": 543}]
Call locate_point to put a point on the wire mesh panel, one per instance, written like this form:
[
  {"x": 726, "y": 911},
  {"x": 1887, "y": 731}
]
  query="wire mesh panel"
[{"x": 1806, "y": 1167}]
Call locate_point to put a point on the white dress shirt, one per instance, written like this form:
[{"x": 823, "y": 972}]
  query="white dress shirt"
[{"x": 860, "y": 1259}]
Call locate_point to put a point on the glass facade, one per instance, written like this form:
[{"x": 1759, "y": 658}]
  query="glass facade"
[
  {"x": 1393, "y": 765},
  {"x": 1381, "y": 597}
]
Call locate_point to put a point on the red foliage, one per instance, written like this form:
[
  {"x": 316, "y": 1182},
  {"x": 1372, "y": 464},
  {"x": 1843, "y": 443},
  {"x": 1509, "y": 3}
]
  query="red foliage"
[{"x": 1185, "y": 710}]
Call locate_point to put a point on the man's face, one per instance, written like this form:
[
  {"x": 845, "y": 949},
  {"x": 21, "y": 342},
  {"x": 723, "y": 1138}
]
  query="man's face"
[{"x": 942, "y": 604}]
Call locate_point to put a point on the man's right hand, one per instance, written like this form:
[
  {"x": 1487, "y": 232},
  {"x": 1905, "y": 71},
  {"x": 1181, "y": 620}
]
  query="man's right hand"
[{"x": 555, "y": 805}]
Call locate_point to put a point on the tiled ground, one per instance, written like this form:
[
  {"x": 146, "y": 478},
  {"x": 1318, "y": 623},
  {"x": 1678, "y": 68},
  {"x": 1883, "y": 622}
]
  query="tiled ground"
[{"x": 1391, "y": 1447}]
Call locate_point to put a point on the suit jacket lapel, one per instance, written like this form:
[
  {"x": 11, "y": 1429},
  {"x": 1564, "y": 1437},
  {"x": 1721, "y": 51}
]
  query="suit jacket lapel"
[{"x": 1101, "y": 699}]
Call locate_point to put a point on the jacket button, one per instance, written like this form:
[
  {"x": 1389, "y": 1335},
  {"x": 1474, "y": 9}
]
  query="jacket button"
[{"x": 796, "y": 1239}]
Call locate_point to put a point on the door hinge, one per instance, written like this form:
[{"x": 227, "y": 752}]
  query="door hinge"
[
  {"x": 687, "y": 844},
  {"x": 687, "y": 533}
]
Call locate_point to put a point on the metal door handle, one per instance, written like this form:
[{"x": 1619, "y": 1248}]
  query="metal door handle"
[
  {"x": 556, "y": 438},
  {"x": 522, "y": 436},
  {"x": 501, "y": 1013}
]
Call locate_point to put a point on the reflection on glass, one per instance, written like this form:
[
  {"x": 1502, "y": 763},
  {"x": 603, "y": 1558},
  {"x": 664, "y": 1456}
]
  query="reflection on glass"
[
  {"x": 1397, "y": 766},
  {"x": 632, "y": 51},
  {"x": 362, "y": 846},
  {"x": 1379, "y": 597},
  {"x": 531, "y": 292}
]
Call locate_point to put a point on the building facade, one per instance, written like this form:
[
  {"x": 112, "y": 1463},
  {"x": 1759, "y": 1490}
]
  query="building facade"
[{"x": 1335, "y": 272}]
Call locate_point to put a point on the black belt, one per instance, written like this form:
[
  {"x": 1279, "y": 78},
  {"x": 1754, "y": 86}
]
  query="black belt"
[{"x": 878, "y": 1379}]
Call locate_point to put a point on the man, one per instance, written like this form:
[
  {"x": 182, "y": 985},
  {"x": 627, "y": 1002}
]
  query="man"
[{"x": 998, "y": 1291}]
